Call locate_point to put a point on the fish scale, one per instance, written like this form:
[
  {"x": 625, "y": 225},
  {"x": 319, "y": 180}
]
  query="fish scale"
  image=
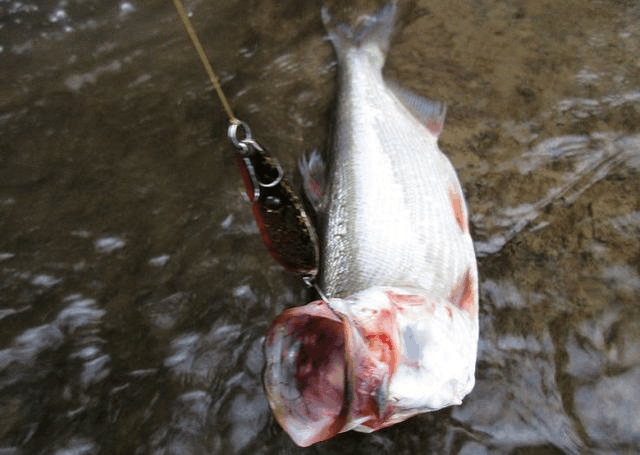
[{"x": 381, "y": 172}]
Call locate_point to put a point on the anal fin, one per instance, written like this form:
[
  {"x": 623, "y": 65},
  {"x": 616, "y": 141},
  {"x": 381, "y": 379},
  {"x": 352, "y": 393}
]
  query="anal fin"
[{"x": 430, "y": 113}]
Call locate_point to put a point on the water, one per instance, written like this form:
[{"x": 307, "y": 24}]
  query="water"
[{"x": 135, "y": 289}]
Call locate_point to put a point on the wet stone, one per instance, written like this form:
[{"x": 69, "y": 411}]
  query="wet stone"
[
  {"x": 254, "y": 362},
  {"x": 191, "y": 411},
  {"x": 79, "y": 314},
  {"x": 243, "y": 412},
  {"x": 160, "y": 261},
  {"x": 34, "y": 341},
  {"x": 45, "y": 281},
  {"x": 585, "y": 361},
  {"x": 78, "y": 446},
  {"x": 109, "y": 244},
  {"x": 166, "y": 313},
  {"x": 95, "y": 370},
  {"x": 503, "y": 295},
  {"x": 473, "y": 448},
  {"x": 609, "y": 411},
  {"x": 248, "y": 414}
]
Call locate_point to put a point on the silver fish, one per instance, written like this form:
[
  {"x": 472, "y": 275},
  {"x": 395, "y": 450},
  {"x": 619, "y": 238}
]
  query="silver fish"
[{"x": 397, "y": 332}]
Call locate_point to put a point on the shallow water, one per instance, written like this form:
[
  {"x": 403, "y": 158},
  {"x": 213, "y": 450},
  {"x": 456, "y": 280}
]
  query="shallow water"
[{"x": 135, "y": 289}]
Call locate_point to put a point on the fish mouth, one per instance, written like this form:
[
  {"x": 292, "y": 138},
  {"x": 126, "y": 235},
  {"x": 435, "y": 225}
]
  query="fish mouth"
[
  {"x": 327, "y": 373},
  {"x": 306, "y": 374}
]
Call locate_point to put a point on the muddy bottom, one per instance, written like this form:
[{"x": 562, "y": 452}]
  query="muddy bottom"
[{"x": 135, "y": 289}]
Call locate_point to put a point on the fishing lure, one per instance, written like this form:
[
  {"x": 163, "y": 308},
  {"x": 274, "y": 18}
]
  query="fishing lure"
[{"x": 284, "y": 225}]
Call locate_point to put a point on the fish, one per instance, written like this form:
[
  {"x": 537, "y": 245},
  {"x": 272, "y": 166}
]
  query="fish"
[{"x": 395, "y": 332}]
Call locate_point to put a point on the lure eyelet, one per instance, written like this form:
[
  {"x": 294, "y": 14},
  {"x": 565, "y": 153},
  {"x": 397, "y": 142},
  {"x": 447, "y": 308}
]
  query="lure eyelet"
[{"x": 232, "y": 133}]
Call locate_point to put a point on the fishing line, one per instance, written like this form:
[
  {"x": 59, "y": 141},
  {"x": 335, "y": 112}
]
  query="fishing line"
[
  {"x": 286, "y": 229},
  {"x": 205, "y": 61}
]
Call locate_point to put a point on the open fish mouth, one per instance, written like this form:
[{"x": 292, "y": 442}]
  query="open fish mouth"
[
  {"x": 366, "y": 362},
  {"x": 305, "y": 378}
]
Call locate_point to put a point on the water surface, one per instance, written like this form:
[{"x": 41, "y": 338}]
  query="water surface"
[{"x": 135, "y": 289}]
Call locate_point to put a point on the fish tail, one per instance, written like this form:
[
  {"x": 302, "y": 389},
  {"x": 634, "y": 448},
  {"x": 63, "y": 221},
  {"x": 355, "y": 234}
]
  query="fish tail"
[{"x": 371, "y": 36}]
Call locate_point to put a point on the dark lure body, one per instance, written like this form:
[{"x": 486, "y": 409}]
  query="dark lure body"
[{"x": 284, "y": 224}]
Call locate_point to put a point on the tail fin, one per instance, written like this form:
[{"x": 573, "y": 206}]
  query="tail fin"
[{"x": 372, "y": 36}]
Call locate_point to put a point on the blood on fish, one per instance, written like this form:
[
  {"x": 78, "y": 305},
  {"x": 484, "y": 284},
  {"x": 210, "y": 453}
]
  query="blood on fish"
[
  {"x": 381, "y": 345},
  {"x": 463, "y": 294},
  {"x": 458, "y": 211},
  {"x": 381, "y": 340},
  {"x": 367, "y": 379},
  {"x": 373, "y": 366}
]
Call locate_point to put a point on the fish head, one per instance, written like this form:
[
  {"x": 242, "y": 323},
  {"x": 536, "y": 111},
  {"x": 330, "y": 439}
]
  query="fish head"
[{"x": 367, "y": 361}]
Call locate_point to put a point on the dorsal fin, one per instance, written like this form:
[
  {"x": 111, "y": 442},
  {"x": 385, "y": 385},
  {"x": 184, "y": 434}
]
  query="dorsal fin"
[{"x": 430, "y": 113}]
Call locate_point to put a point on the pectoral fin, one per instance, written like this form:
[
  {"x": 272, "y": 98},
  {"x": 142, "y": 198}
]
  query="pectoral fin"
[{"x": 313, "y": 172}]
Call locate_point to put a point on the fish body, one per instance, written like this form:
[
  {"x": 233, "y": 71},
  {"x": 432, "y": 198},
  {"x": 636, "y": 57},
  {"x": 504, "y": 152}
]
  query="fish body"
[
  {"x": 397, "y": 332},
  {"x": 389, "y": 218}
]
